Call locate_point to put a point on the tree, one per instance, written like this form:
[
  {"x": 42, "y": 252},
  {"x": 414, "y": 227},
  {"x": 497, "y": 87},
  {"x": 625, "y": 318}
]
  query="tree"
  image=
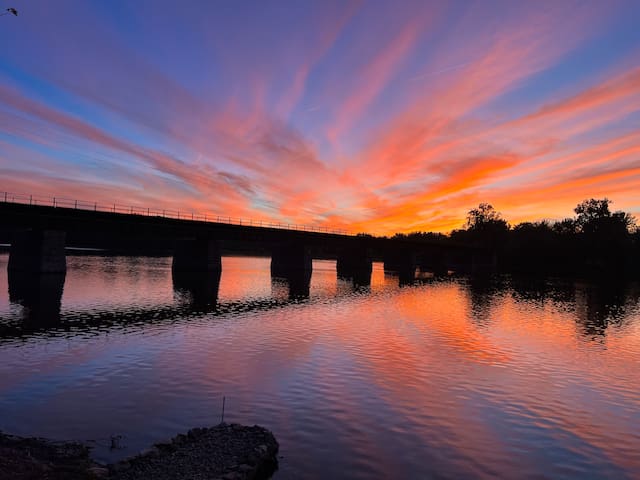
[
  {"x": 604, "y": 237},
  {"x": 594, "y": 216},
  {"x": 485, "y": 226},
  {"x": 485, "y": 217},
  {"x": 565, "y": 227},
  {"x": 590, "y": 212}
]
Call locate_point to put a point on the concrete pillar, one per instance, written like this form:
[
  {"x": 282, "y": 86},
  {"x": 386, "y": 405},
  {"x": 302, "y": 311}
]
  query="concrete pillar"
[
  {"x": 196, "y": 255},
  {"x": 459, "y": 261},
  {"x": 38, "y": 251},
  {"x": 402, "y": 262},
  {"x": 435, "y": 261},
  {"x": 292, "y": 261},
  {"x": 355, "y": 263}
]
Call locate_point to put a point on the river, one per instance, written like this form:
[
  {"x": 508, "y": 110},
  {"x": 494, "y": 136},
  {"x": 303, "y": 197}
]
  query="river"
[{"x": 446, "y": 378}]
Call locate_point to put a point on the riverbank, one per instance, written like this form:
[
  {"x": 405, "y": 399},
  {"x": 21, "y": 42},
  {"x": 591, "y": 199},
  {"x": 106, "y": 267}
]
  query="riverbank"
[{"x": 230, "y": 452}]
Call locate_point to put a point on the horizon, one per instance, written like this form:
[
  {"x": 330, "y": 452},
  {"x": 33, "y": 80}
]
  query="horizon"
[{"x": 356, "y": 116}]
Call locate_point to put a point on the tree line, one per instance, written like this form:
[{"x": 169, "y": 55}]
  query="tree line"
[{"x": 594, "y": 241}]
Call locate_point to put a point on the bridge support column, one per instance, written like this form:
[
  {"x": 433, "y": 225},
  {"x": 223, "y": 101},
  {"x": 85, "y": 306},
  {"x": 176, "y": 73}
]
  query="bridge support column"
[
  {"x": 197, "y": 255},
  {"x": 38, "y": 251},
  {"x": 356, "y": 264},
  {"x": 292, "y": 261},
  {"x": 402, "y": 262},
  {"x": 435, "y": 261}
]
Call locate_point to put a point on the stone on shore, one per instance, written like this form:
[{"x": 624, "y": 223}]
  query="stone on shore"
[
  {"x": 39, "y": 458},
  {"x": 229, "y": 452},
  {"x": 225, "y": 452}
]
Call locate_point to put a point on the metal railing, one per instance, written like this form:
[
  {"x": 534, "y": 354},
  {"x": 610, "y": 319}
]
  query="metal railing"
[{"x": 62, "y": 202}]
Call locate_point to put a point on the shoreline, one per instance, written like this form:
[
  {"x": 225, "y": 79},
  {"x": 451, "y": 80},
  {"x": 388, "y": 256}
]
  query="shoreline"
[{"x": 225, "y": 451}]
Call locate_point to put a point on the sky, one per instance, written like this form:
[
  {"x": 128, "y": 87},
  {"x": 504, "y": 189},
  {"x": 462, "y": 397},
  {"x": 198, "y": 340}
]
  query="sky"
[{"x": 377, "y": 117}]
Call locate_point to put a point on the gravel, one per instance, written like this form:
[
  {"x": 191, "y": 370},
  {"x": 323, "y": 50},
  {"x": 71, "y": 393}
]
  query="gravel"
[
  {"x": 38, "y": 458},
  {"x": 226, "y": 452}
]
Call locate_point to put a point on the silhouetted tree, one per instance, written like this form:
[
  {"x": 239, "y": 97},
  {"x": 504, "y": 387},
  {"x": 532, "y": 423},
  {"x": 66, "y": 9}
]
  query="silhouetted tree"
[
  {"x": 604, "y": 236},
  {"x": 594, "y": 216},
  {"x": 485, "y": 217},
  {"x": 589, "y": 211},
  {"x": 565, "y": 227},
  {"x": 595, "y": 241},
  {"x": 485, "y": 226},
  {"x": 427, "y": 237}
]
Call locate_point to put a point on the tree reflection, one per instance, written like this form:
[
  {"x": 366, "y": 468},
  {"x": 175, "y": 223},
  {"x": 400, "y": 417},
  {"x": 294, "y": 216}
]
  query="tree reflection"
[
  {"x": 604, "y": 304},
  {"x": 482, "y": 291},
  {"x": 597, "y": 305}
]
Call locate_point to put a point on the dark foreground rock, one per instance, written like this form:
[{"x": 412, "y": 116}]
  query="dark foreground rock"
[
  {"x": 38, "y": 458},
  {"x": 229, "y": 452}
]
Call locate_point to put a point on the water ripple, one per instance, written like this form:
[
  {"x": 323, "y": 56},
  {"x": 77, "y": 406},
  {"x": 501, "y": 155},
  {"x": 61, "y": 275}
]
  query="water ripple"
[{"x": 451, "y": 378}]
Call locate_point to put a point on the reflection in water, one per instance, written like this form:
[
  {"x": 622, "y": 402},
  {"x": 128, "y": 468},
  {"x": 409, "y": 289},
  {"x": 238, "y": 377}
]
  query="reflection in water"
[
  {"x": 483, "y": 290},
  {"x": 598, "y": 304},
  {"x": 445, "y": 377},
  {"x": 360, "y": 277},
  {"x": 39, "y": 294},
  {"x": 406, "y": 276},
  {"x": 291, "y": 288},
  {"x": 604, "y": 304},
  {"x": 198, "y": 289}
]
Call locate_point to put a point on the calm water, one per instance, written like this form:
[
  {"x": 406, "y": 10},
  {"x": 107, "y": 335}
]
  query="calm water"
[{"x": 448, "y": 379}]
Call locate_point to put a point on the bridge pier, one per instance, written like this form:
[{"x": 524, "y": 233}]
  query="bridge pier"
[
  {"x": 38, "y": 251},
  {"x": 196, "y": 255},
  {"x": 292, "y": 261},
  {"x": 355, "y": 263},
  {"x": 404, "y": 263},
  {"x": 436, "y": 262}
]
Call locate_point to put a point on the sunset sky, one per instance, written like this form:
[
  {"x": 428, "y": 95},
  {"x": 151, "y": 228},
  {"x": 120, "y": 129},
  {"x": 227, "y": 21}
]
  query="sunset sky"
[{"x": 376, "y": 117}]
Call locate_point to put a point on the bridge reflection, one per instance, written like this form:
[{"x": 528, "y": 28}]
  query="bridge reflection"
[
  {"x": 39, "y": 297},
  {"x": 36, "y": 304}
]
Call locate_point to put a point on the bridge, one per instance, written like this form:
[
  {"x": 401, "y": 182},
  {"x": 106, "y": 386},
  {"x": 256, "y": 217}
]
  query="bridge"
[{"x": 39, "y": 230}]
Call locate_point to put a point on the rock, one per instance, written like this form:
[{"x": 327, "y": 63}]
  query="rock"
[
  {"x": 262, "y": 449},
  {"x": 30, "y": 458},
  {"x": 231, "y": 476},
  {"x": 120, "y": 466},
  {"x": 100, "y": 472},
  {"x": 229, "y": 452}
]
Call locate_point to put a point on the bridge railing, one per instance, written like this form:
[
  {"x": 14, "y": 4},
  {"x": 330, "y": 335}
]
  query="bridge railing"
[{"x": 63, "y": 202}]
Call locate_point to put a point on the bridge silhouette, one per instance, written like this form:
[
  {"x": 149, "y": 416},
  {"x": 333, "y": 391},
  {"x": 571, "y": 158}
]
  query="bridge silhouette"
[
  {"x": 64, "y": 202},
  {"x": 39, "y": 229}
]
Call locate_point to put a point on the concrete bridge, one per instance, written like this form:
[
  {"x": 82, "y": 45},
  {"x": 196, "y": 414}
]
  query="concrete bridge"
[{"x": 38, "y": 235}]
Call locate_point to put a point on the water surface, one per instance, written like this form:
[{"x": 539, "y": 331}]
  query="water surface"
[{"x": 447, "y": 378}]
